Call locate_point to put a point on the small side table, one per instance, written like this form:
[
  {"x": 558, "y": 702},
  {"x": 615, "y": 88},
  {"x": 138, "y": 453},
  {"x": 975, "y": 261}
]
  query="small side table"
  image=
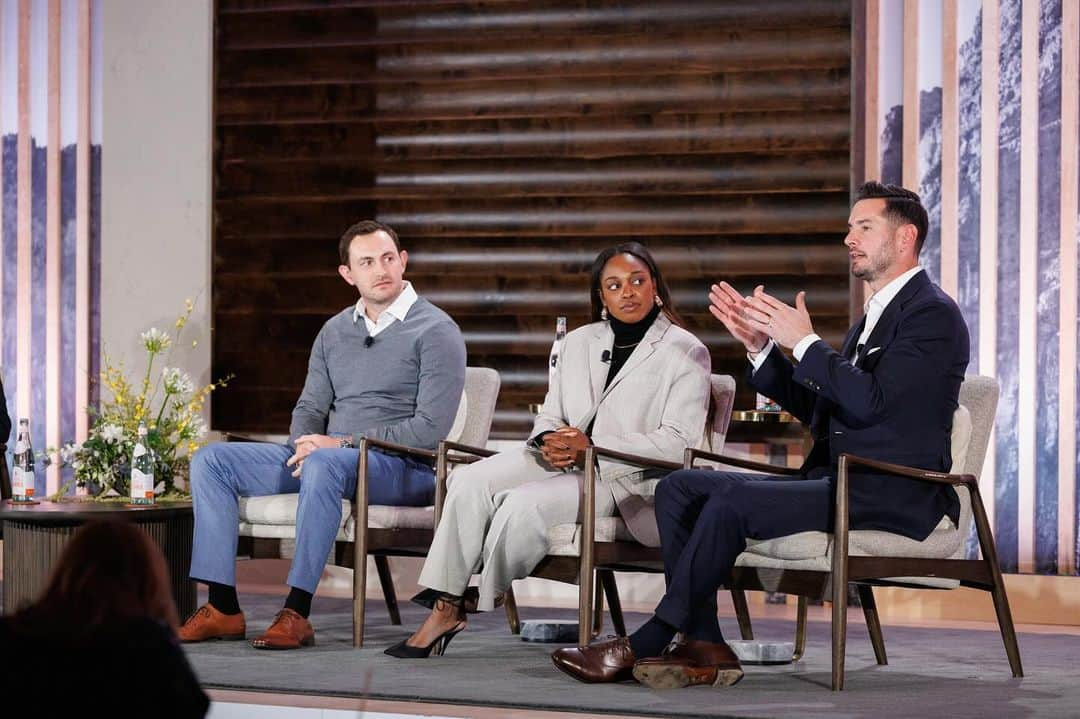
[
  {"x": 776, "y": 430},
  {"x": 35, "y": 537}
]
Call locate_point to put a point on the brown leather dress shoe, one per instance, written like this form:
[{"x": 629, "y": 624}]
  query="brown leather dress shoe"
[
  {"x": 690, "y": 662},
  {"x": 206, "y": 622},
  {"x": 608, "y": 661},
  {"x": 288, "y": 631}
]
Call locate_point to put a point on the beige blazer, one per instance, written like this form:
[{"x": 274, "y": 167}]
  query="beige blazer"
[{"x": 655, "y": 406}]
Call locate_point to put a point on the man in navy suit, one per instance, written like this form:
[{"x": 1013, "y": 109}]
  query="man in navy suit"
[{"x": 889, "y": 394}]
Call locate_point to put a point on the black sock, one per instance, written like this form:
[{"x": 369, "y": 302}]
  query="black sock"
[
  {"x": 651, "y": 638},
  {"x": 299, "y": 601},
  {"x": 223, "y": 598}
]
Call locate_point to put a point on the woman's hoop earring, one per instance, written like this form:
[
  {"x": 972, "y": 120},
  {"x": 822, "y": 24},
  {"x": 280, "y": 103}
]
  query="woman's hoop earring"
[
  {"x": 659, "y": 302},
  {"x": 603, "y": 313}
]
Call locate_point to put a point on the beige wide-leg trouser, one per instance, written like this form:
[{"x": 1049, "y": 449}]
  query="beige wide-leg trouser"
[{"x": 496, "y": 519}]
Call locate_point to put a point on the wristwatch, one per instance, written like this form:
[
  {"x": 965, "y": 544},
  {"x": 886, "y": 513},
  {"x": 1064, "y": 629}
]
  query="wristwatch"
[{"x": 345, "y": 443}]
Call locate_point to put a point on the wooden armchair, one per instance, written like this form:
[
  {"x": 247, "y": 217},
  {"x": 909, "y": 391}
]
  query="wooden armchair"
[
  {"x": 590, "y": 553},
  {"x": 391, "y": 531},
  {"x": 820, "y": 565}
]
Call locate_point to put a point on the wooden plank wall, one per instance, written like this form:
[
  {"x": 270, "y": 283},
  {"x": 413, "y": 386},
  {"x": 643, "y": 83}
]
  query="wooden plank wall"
[{"x": 508, "y": 142}]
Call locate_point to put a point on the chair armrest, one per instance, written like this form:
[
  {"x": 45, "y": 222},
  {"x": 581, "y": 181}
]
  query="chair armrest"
[
  {"x": 900, "y": 470},
  {"x": 237, "y": 437},
  {"x": 464, "y": 454},
  {"x": 842, "y": 518},
  {"x": 397, "y": 448},
  {"x": 637, "y": 459},
  {"x": 693, "y": 454},
  {"x": 446, "y": 446},
  {"x": 360, "y": 499}
]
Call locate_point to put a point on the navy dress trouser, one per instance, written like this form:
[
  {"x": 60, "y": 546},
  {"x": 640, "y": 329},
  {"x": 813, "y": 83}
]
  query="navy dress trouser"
[{"x": 705, "y": 518}]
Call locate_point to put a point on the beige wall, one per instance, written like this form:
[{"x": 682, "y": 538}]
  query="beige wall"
[{"x": 156, "y": 137}]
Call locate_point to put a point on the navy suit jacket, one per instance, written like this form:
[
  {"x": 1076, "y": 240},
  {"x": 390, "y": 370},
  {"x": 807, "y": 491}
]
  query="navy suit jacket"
[{"x": 894, "y": 404}]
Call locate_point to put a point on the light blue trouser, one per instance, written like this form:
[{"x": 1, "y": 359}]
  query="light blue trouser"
[{"x": 222, "y": 473}]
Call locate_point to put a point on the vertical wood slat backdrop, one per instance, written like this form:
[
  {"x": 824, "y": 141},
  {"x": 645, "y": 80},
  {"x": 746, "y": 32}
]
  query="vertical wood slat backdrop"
[
  {"x": 48, "y": 297},
  {"x": 508, "y": 143},
  {"x": 998, "y": 157}
]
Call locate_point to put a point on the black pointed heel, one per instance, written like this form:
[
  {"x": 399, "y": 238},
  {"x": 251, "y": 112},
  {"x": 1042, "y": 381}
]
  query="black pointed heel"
[{"x": 402, "y": 650}]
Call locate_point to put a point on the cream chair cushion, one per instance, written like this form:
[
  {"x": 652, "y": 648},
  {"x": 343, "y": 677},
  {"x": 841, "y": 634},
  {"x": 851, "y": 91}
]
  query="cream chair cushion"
[
  {"x": 813, "y": 550},
  {"x": 274, "y": 516}
]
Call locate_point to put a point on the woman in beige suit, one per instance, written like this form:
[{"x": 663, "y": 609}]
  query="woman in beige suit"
[{"x": 634, "y": 381}]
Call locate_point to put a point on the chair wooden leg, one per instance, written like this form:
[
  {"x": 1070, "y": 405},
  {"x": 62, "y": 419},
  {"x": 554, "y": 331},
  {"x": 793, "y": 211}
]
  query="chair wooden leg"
[
  {"x": 800, "y": 630},
  {"x": 585, "y": 594},
  {"x": 742, "y": 613},
  {"x": 873, "y": 623},
  {"x": 510, "y": 604},
  {"x": 839, "y": 577},
  {"x": 359, "y": 588},
  {"x": 1005, "y": 624},
  {"x": 839, "y": 633},
  {"x": 611, "y": 590},
  {"x": 386, "y": 580},
  {"x": 587, "y": 564},
  {"x": 360, "y": 547},
  {"x": 1001, "y": 600}
]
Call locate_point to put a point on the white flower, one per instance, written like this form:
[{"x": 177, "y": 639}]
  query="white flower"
[
  {"x": 177, "y": 381},
  {"x": 154, "y": 340},
  {"x": 198, "y": 428},
  {"x": 112, "y": 433},
  {"x": 68, "y": 452}
]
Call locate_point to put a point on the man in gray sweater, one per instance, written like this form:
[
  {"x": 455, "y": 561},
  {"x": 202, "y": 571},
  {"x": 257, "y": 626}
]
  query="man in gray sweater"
[{"x": 390, "y": 368}]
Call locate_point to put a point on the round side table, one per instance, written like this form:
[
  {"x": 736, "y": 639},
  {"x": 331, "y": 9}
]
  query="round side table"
[{"x": 35, "y": 536}]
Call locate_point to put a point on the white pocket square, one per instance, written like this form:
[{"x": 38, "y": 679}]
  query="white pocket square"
[{"x": 871, "y": 351}]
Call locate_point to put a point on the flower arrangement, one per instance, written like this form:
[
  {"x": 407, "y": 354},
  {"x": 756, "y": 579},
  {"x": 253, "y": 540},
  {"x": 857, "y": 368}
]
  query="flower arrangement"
[{"x": 168, "y": 404}]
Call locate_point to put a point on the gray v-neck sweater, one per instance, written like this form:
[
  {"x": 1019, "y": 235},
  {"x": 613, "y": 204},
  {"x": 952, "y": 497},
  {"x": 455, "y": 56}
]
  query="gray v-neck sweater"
[{"x": 402, "y": 385}]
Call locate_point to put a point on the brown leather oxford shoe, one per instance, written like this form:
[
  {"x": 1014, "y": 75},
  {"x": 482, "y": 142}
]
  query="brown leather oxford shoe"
[
  {"x": 690, "y": 662},
  {"x": 288, "y": 631},
  {"x": 206, "y": 622},
  {"x": 608, "y": 661}
]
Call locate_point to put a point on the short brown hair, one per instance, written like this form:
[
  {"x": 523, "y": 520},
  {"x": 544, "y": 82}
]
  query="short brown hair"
[{"x": 364, "y": 227}]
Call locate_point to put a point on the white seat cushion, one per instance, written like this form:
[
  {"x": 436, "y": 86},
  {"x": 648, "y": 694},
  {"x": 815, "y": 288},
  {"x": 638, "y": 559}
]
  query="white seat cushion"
[
  {"x": 274, "y": 516},
  {"x": 564, "y": 540},
  {"x": 813, "y": 550}
]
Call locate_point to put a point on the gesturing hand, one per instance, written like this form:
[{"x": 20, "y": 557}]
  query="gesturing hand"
[
  {"x": 728, "y": 306},
  {"x": 784, "y": 323},
  {"x": 565, "y": 447}
]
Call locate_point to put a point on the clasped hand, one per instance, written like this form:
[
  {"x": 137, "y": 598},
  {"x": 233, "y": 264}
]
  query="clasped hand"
[
  {"x": 565, "y": 447},
  {"x": 755, "y": 319},
  {"x": 305, "y": 445}
]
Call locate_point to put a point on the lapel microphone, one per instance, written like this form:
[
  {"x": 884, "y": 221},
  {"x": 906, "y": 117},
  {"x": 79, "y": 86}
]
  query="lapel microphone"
[
  {"x": 606, "y": 356},
  {"x": 368, "y": 341}
]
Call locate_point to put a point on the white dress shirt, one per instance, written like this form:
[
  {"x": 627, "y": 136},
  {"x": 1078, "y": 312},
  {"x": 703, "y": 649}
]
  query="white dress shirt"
[
  {"x": 874, "y": 307},
  {"x": 396, "y": 311}
]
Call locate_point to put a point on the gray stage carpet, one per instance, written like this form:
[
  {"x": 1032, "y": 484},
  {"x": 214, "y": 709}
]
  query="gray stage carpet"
[{"x": 932, "y": 672}]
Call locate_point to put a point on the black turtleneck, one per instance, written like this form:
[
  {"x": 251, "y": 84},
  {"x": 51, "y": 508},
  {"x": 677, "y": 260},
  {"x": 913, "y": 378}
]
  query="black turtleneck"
[{"x": 627, "y": 338}]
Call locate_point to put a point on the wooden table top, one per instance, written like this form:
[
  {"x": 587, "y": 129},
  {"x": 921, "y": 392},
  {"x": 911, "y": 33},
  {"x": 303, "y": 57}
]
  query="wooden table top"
[{"x": 75, "y": 512}]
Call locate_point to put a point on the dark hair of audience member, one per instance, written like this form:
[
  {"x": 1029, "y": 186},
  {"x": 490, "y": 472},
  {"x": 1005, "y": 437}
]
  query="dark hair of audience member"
[
  {"x": 364, "y": 227},
  {"x": 902, "y": 207},
  {"x": 639, "y": 251},
  {"x": 109, "y": 573}
]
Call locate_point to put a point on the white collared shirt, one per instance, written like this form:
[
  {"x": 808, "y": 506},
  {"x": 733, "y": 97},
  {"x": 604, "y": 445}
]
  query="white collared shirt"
[
  {"x": 396, "y": 311},
  {"x": 874, "y": 307}
]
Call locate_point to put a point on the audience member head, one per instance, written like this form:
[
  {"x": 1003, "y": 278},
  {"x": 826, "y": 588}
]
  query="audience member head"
[
  {"x": 886, "y": 231},
  {"x": 373, "y": 262},
  {"x": 110, "y": 572},
  {"x": 627, "y": 282}
]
